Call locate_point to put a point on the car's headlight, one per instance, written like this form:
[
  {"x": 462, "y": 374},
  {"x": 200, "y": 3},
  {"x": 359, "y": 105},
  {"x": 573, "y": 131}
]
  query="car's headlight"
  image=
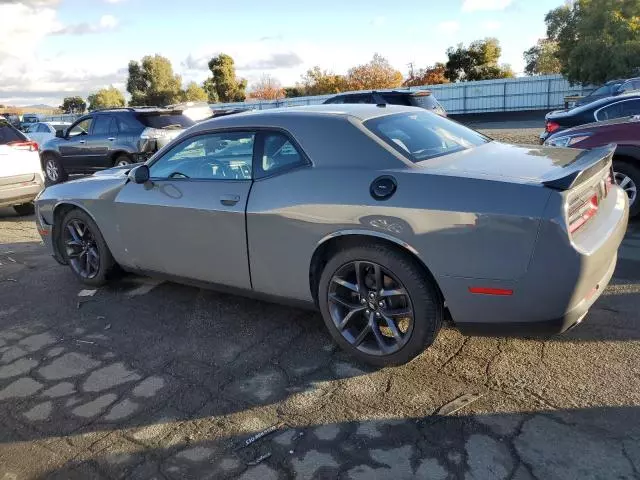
[{"x": 567, "y": 140}]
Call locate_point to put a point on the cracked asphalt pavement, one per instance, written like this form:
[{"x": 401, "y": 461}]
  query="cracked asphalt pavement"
[{"x": 149, "y": 380}]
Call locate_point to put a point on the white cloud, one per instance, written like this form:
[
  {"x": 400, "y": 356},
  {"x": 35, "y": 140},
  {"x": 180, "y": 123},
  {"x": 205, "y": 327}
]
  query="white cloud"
[
  {"x": 448, "y": 27},
  {"x": 491, "y": 25},
  {"x": 29, "y": 77},
  {"x": 477, "y": 5},
  {"x": 114, "y": 1},
  {"x": 105, "y": 24}
]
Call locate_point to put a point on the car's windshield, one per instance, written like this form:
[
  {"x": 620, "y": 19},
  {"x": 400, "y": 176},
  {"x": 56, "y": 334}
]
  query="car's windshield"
[
  {"x": 424, "y": 135},
  {"x": 605, "y": 89},
  {"x": 32, "y": 128},
  {"x": 426, "y": 101}
]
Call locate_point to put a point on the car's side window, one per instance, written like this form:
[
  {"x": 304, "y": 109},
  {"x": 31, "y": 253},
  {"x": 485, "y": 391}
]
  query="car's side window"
[
  {"x": 113, "y": 127},
  {"x": 630, "y": 107},
  {"x": 42, "y": 128},
  {"x": 339, "y": 99},
  {"x": 611, "y": 111},
  {"x": 127, "y": 124},
  {"x": 211, "y": 156},
  {"x": 278, "y": 153},
  {"x": 80, "y": 128},
  {"x": 101, "y": 125}
]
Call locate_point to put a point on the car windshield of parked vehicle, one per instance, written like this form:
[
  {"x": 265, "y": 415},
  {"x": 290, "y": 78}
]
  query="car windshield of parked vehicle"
[
  {"x": 423, "y": 135},
  {"x": 164, "y": 120},
  {"x": 605, "y": 90},
  {"x": 9, "y": 134},
  {"x": 32, "y": 128}
]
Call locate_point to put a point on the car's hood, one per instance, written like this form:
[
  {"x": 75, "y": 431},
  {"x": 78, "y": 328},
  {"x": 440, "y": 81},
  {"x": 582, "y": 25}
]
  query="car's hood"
[{"x": 529, "y": 164}]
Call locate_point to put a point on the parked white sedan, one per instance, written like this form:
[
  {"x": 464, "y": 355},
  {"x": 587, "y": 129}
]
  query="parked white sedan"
[
  {"x": 21, "y": 176},
  {"x": 42, "y": 132}
]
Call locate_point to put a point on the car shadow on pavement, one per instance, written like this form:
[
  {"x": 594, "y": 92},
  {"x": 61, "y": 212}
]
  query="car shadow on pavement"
[{"x": 586, "y": 443}]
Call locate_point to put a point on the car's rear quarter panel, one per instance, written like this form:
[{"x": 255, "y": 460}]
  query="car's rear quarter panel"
[{"x": 459, "y": 227}]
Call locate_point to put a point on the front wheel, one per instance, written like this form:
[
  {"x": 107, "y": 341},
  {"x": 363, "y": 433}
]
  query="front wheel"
[
  {"x": 627, "y": 176},
  {"x": 379, "y": 305},
  {"x": 84, "y": 249}
]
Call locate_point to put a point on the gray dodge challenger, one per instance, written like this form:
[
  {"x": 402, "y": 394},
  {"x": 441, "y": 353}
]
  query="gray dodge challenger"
[{"x": 383, "y": 217}]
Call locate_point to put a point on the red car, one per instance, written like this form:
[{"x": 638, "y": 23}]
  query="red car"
[{"x": 625, "y": 132}]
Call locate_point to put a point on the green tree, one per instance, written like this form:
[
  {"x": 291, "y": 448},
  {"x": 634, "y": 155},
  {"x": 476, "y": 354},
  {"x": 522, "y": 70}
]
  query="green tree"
[
  {"x": 432, "y": 75},
  {"x": 477, "y": 62},
  {"x": 194, "y": 93},
  {"x": 106, "y": 98},
  {"x": 541, "y": 59},
  {"x": 223, "y": 86},
  {"x": 598, "y": 40},
  {"x": 322, "y": 82},
  {"x": 292, "y": 92},
  {"x": 152, "y": 82},
  {"x": 73, "y": 105},
  {"x": 378, "y": 73}
]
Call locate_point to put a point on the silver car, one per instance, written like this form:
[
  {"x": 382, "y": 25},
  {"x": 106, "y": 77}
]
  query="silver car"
[{"x": 382, "y": 217}]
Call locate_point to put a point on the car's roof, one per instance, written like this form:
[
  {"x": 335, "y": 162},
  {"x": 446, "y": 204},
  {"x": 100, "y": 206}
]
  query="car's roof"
[
  {"x": 602, "y": 102},
  {"x": 360, "y": 111}
]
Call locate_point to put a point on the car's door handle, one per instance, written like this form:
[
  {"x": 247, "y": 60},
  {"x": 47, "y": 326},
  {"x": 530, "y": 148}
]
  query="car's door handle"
[
  {"x": 82, "y": 141},
  {"x": 111, "y": 139},
  {"x": 229, "y": 200}
]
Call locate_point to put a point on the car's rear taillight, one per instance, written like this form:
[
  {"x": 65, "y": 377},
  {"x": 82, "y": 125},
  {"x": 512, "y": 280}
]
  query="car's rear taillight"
[
  {"x": 551, "y": 127},
  {"x": 581, "y": 213},
  {"x": 24, "y": 145}
]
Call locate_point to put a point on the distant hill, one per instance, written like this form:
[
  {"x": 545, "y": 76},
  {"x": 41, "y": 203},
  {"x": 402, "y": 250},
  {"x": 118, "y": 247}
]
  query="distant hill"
[{"x": 40, "y": 106}]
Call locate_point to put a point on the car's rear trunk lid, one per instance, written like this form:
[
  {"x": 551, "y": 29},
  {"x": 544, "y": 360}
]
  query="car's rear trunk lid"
[{"x": 553, "y": 167}]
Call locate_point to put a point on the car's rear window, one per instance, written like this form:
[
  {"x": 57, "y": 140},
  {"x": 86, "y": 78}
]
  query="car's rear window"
[
  {"x": 423, "y": 135},
  {"x": 9, "y": 134},
  {"x": 165, "y": 120},
  {"x": 426, "y": 101}
]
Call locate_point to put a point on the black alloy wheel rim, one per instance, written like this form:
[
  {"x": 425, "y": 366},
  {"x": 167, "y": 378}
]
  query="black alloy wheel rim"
[
  {"x": 81, "y": 249},
  {"x": 370, "y": 308}
]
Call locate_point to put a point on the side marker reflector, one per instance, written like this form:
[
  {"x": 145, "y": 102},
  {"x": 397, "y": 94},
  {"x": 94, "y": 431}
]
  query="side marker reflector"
[{"x": 490, "y": 291}]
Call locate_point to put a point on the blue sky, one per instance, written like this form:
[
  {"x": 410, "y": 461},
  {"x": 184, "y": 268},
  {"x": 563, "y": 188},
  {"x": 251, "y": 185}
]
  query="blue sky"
[{"x": 53, "y": 48}]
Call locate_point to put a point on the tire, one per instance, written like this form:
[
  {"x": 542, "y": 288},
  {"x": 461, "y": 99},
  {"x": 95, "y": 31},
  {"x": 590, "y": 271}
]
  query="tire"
[
  {"x": 122, "y": 160},
  {"x": 54, "y": 172},
  {"x": 25, "y": 209},
  {"x": 401, "y": 272},
  {"x": 102, "y": 266},
  {"x": 627, "y": 172}
]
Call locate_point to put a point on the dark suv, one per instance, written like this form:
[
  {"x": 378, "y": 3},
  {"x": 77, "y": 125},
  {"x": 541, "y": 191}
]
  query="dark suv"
[
  {"x": 416, "y": 98},
  {"x": 108, "y": 138}
]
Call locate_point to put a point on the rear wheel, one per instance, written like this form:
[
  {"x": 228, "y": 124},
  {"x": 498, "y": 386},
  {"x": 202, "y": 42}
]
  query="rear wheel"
[
  {"x": 627, "y": 176},
  {"x": 25, "y": 209},
  {"x": 84, "y": 249},
  {"x": 53, "y": 170},
  {"x": 379, "y": 305},
  {"x": 122, "y": 160}
]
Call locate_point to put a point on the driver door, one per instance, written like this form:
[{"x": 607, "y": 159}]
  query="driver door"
[
  {"x": 73, "y": 147},
  {"x": 189, "y": 219}
]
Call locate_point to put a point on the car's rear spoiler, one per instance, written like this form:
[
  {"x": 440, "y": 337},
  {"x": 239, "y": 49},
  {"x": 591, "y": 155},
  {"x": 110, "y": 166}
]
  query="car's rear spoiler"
[{"x": 585, "y": 166}]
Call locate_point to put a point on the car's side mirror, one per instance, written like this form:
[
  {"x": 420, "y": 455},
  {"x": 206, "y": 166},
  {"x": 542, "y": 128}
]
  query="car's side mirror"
[{"x": 140, "y": 174}]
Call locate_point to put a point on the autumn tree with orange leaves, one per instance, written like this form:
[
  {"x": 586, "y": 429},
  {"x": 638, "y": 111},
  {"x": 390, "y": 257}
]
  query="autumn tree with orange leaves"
[
  {"x": 267, "y": 88},
  {"x": 378, "y": 73}
]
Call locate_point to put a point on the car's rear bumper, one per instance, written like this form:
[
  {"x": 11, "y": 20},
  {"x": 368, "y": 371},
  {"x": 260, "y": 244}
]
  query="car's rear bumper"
[
  {"x": 23, "y": 190},
  {"x": 561, "y": 324},
  {"x": 565, "y": 277}
]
